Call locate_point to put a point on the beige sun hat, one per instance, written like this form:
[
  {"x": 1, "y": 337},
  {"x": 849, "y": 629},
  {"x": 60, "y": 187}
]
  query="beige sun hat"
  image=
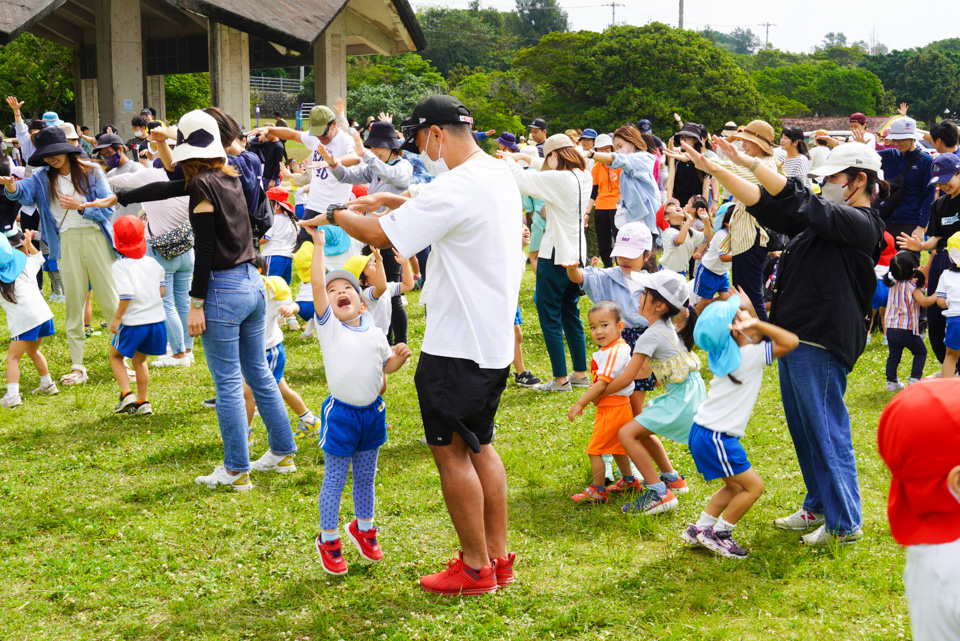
[
  {"x": 554, "y": 142},
  {"x": 759, "y": 132}
]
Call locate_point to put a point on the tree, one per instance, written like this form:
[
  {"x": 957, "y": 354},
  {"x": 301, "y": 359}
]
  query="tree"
[
  {"x": 626, "y": 73},
  {"x": 40, "y": 73},
  {"x": 932, "y": 84},
  {"x": 744, "y": 41},
  {"x": 398, "y": 99},
  {"x": 495, "y": 99},
  {"x": 834, "y": 40},
  {"x": 540, "y": 17},
  {"x": 186, "y": 92},
  {"x": 823, "y": 88},
  {"x": 457, "y": 37},
  {"x": 369, "y": 70}
]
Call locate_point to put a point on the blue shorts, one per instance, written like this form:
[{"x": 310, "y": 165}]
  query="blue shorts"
[
  {"x": 277, "y": 360},
  {"x": 952, "y": 337},
  {"x": 717, "y": 455},
  {"x": 306, "y": 309},
  {"x": 880, "y": 295},
  {"x": 281, "y": 266},
  {"x": 708, "y": 284},
  {"x": 149, "y": 339},
  {"x": 40, "y": 331},
  {"x": 518, "y": 319},
  {"x": 346, "y": 429}
]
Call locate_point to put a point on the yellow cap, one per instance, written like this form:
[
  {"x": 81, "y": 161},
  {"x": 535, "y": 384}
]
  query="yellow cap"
[
  {"x": 953, "y": 248},
  {"x": 303, "y": 261},
  {"x": 277, "y": 288},
  {"x": 356, "y": 264}
]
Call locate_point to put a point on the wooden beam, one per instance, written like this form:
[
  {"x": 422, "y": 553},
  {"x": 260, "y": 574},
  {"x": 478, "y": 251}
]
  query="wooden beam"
[{"x": 359, "y": 28}]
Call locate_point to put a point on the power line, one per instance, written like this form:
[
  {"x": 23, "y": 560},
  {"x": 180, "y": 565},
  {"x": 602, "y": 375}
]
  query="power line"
[
  {"x": 766, "y": 39},
  {"x": 613, "y": 6}
]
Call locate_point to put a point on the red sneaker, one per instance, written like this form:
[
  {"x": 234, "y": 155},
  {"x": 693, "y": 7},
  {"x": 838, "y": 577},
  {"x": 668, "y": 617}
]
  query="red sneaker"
[
  {"x": 621, "y": 486},
  {"x": 331, "y": 556},
  {"x": 366, "y": 542},
  {"x": 677, "y": 487},
  {"x": 590, "y": 496},
  {"x": 503, "y": 568},
  {"x": 460, "y": 579}
]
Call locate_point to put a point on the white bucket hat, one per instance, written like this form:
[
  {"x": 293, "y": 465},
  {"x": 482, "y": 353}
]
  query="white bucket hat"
[
  {"x": 197, "y": 137},
  {"x": 851, "y": 155},
  {"x": 669, "y": 284},
  {"x": 903, "y": 128},
  {"x": 603, "y": 140}
]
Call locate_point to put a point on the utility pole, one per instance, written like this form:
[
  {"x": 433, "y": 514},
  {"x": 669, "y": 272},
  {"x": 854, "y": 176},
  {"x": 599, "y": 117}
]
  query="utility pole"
[
  {"x": 766, "y": 38},
  {"x": 681, "y": 15},
  {"x": 613, "y": 6}
]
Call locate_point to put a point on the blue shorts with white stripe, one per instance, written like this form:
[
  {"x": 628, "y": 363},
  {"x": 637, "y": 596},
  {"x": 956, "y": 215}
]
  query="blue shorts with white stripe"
[{"x": 716, "y": 454}]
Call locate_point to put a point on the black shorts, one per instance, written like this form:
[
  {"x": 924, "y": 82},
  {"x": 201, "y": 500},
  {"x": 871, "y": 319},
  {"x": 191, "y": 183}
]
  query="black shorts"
[{"x": 456, "y": 395}]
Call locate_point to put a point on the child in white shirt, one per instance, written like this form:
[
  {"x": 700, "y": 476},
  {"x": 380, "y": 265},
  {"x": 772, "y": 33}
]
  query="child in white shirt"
[
  {"x": 377, "y": 291},
  {"x": 140, "y": 324},
  {"x": 681, "y": 241},
  {"x": 712, "y": 278},
  {"x": 29, "y": 318}
]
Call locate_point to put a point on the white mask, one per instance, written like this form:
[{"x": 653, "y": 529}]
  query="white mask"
[
  {"x": 834, "y": 192},
  {"x": 435, "y": 167}
]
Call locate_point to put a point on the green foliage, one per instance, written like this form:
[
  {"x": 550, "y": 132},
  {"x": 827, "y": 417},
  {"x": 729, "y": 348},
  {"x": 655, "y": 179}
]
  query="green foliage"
[
  {"x": 372, "y": 70},
  {"x": 458, "y": 37},
  {"x": 932, "y": 81},
  {"x": 186, "y": 92},
  {"x": 834, "y": 40},
  {"x": 627, "y": 73},
  {"x": 739, "y": 41},
  {"x": 540, "y": 17},
  {"x": 769, "y": 59},
  {"x": 495, "y": 98},
  {"x": 822, "y": 88},
  {"x": 40, "y": 73},
  {"x": 843, "y": 56},
  {"x": 398, "y": 99}
]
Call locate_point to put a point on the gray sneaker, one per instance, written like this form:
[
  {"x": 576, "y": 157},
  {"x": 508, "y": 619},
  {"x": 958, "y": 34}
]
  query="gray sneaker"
[
  {"x": 800, "y": 520},
  {"x": 580, "y": 382},
  {"x": 552, "y": 386}
]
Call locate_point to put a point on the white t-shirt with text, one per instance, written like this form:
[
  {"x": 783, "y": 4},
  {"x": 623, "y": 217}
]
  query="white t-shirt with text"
[{"x": 325, "y": 190}]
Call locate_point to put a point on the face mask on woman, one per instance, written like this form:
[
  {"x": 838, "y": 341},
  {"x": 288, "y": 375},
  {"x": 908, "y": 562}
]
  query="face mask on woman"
[{"x": 834, "y": 192}]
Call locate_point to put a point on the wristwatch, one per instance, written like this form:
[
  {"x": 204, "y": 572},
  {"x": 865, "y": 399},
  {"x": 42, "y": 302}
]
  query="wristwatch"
[
  {"x": 197, "y": 303},
  {"x": 330, "y": 210},
  {"x": 592, "y": 153}
]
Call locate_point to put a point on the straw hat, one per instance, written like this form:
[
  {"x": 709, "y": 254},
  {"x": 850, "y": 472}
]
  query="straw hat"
[
  {"x": 553, "y": 143},
  {"x": 758, "y": 132}
]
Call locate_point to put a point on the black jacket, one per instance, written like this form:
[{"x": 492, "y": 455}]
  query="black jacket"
[{"x": 825, "y": 280}]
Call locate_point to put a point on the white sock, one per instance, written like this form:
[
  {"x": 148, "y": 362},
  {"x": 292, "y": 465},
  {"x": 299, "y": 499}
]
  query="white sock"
[
  {"x": 706, "y": 520},
  {"x": 364, "y": 525},
  {"x": 724, "y": 525},
  {"x": 46, "y": 381},
  {"x": 13, "y": 389},
  {"x": 327, "y": 536},
  {"x": 308, "y": 417}
]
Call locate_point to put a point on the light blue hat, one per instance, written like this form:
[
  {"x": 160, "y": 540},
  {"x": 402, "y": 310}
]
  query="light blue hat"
[
  {"x": 12, "y": 262},
  {"x": 712, "y": 335},
  {"x": 52, "y": 119}
]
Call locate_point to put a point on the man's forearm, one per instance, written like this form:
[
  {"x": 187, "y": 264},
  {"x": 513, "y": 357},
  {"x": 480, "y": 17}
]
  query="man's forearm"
[{"x": 366, "y": 229}]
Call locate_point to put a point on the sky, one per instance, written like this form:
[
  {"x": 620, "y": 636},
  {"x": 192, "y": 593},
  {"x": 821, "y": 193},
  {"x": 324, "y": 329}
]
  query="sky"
[{"x": 799, "y": 26}]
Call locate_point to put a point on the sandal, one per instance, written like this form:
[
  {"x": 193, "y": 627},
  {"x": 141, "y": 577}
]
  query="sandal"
[{"x": 76, "y": 376}]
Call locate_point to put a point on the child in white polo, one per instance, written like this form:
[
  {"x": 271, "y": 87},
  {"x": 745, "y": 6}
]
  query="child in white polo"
[{"x": 140, "y": 323}]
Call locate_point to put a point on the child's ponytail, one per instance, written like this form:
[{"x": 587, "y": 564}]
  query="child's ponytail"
[
  {"x": 686, "y": 333},
  {"x": 889, "y": 280},
  {"x": 921, "y": 279}
]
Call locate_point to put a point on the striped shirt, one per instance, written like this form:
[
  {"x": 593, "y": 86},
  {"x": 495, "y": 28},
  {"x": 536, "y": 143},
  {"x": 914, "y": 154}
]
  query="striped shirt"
[
  {"x": 797, "y": 168},
  {"x": 902, "y": 307},
  {"x": 743, "y": 226}
]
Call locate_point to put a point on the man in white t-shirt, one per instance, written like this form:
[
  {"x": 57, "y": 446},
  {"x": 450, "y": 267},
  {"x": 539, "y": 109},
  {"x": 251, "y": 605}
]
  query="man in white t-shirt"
[
  {"x": 325, "y": 189},
  {"x": 469, "y": 216}
]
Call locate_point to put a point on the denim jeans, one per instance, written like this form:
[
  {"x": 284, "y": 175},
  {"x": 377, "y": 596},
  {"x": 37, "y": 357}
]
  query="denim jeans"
[
  {"x": 235, "y": 311},
  {"x": 812, "y": 384},
  {"x": 176, "y": 299},
  {"x": 558, "y": 306},
  {"x": 900, "y": 339}
]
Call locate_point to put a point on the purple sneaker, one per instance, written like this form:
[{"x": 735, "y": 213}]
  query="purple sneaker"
[
  {"x": 721, "y": 542},
  {"x": 689, "y": 536}
]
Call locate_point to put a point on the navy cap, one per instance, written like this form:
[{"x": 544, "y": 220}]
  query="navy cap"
[
  {"x": 589, "y": 133},
  {"x": 644, "y": 126},
  {"x": 945, "y": 167},
  {"x": 538, "y": 123}
]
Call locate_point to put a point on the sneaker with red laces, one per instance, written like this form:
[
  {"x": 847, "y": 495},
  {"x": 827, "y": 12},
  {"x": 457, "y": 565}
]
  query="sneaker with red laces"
[
  {"x": 331, "y": 556},
  {"x": 591, "y": 496},
  {"x": 677, "y": 487},
  {"x": 622, "y": 487},
  {"x": 503, "y": 568},
  {"x": 365, "y": 542},
  {"x": 460, "y": 579}
]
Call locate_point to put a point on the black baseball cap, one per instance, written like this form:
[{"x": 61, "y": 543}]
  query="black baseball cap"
[
  {"x": 36, "y": 125},
  {"x": 434, "y": 110},
  {"x": 538, "y": 123},
  {"x": 109, "y": 140}
]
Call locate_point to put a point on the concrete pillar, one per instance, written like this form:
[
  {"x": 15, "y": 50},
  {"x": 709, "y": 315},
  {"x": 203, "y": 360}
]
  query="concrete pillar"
[
  {"x": 85, "y": 97},
  {"x": 119, "y": 62},
  {"x": 230, "y": 71},
  {"x": 155, "y": 96},
  {"x": 330, "y": 63}
]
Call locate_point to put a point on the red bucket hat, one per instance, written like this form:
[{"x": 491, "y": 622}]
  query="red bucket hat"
[
  {"x": 280, "y": 196},
  {"x": 128, "y": 236},
  {"x": 919, "y": 439}
]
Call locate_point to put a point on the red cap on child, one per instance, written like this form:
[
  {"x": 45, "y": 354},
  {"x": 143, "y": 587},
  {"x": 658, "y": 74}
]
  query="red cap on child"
[
  {"x": 128, "y": 236},
  {"x": 280, "y": 196},
  {"x": 919, "y": 438}
]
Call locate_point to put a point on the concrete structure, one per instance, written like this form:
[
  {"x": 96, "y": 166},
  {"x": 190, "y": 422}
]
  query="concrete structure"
[{"x": 123, "y": 48}]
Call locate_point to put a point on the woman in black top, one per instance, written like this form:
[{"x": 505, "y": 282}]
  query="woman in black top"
[
  {"x": 228, "y": 305},
  {"x": 823, "y": 293}
]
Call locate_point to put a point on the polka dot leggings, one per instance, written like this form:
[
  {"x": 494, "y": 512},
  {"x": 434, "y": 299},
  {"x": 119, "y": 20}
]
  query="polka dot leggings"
[{"x": 335, "y": 478}]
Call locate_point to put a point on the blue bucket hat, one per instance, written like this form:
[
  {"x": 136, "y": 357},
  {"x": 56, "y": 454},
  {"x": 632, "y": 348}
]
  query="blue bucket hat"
[
  {"x": 589, "y": 133},
  {"x": 12, "y": 262},
  {"x": 718, "y": 219},
  {"x": 712, "y": 335},
  {"x": 336, "y": 241}
]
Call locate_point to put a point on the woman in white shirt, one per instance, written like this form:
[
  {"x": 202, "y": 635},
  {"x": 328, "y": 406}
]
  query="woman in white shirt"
[{"x": 560, "y": 180}]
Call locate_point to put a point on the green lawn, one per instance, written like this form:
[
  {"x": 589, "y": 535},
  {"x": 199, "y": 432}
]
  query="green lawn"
[{"x": 105, "y": 535}]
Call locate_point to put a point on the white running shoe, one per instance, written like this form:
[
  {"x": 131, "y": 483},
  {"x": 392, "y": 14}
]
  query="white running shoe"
[
  {"x": 894, "y": 386},
  {"x": 168, "y": 360},
  {"x": 800, "y": 520},
  {"x": 271, "y": 462},
  {"x": 820, "y": 536},
  {"x": 220, "y": 476},
  {"x": 310, "y": 330},
  {"x": 127, "y": 403},
  {"x": 11, "y": 400},
  {"x": 48, "y": 390}
]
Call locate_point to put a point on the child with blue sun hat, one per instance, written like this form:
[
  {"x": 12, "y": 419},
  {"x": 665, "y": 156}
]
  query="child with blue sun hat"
[{"x": 738, "y": 347}]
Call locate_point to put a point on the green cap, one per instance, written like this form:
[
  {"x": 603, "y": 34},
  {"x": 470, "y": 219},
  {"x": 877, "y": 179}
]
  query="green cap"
[{"x": 320, "y": 118}]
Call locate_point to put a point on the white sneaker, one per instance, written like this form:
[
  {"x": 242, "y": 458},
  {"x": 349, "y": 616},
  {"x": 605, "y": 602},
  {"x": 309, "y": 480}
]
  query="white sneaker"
[
  {"x": 48, "y": 390},
  {"x": 552, "y": 386},
  {"x": 820, "y": 536},
  {"x": 894, "y": 386},
  {"x": 937, "y": 374},
  {"x": 168, "y": 360},
  {"x": 11, "y": 400},
  {"x": 800, "y": 520},
  {"x": 271, "y": 462},
  {"x": 127, "y": 403},
  {"x": 869, "y": 339},
  {"x": 220, "y": 476},
  {"x": 884, "y": 341},
  {"x": 912, "y": 380}
]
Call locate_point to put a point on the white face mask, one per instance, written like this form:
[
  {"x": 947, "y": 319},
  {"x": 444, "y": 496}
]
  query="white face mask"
[
  {"x": 435, "y": 167},
  {"x": 834, "y": 192}
]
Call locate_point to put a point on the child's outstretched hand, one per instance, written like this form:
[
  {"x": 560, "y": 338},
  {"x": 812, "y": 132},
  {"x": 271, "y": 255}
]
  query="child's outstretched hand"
[
  {"x": 396, "y": 254},
  {"x": 376, "y": 254},
  {"x": 594, "y": 261},
  {"x": 575, "y": 410}
]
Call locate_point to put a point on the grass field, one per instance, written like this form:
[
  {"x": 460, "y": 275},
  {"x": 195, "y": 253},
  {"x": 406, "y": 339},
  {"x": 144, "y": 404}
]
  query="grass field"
[{"x": 104, "y": 534}]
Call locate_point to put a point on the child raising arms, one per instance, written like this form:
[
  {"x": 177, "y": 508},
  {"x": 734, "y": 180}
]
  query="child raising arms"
[
  {"x": 613, "y": 410},
  {"x": 737, "y": 353},
  {"x": 356, "y": 360}
]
